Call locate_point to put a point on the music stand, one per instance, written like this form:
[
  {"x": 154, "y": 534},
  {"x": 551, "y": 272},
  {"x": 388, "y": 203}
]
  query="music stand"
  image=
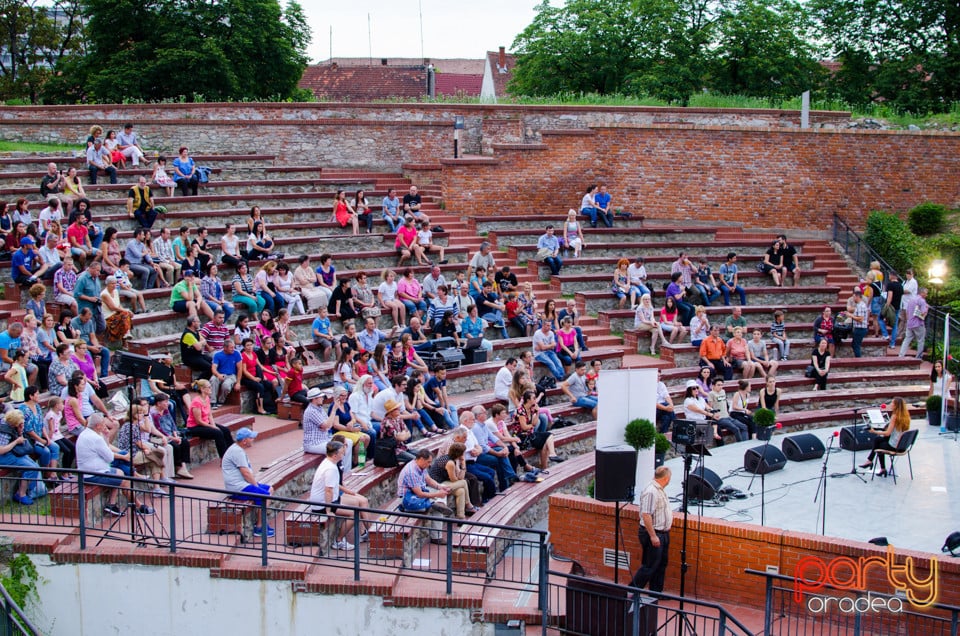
[{"x": 853, "y": 468}]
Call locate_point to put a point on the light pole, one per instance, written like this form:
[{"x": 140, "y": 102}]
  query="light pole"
[{"x": 936, "y": 274}]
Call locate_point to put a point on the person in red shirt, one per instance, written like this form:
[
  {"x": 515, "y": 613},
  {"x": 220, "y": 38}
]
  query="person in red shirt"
[
  {"x": 293, "y": 388},
  {"x": 406, "y": 244}
]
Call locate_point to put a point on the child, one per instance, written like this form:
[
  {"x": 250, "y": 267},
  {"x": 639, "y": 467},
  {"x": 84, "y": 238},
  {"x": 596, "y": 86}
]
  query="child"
[
  {"x": 361, "y": 366},
  {"x": 160, "y": 176},
  {"x": 322, "y": 334},
  {"x": 17, "y": 375},
  {"x": 293, "y": 387},
  {"x": 591, "y": 385},
  {"x": 425, "y": 238},
  {"x": 53, "y": 430},
  {"x": 778, "y": 334},
  {"x": 125, "y": 289}
]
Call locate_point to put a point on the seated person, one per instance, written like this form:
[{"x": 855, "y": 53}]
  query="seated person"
[
  {"x": 713, "y": 354},
  {"x": 95, "y": 456},
  {"x": 238, "y": 476},
  {"x": 140, "y": 204},
  {"x": 15, "y": 452},
  {"x": 327, "y": 489},
  {"x": 420, "y": 493},
  {"x": 725, "y": 423},
  {"x": 575, "y": 388}
]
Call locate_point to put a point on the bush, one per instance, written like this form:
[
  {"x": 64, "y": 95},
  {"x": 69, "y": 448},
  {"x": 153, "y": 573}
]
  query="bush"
[
  {"x": 890, "y": 237},
  {"x": 764, "y": 417},
  {"x": 934, "y": 403},
  {"x": 662, "y": 444},
  {"x": 640, "y": 433},
  {"x": 927, "y": 218}
]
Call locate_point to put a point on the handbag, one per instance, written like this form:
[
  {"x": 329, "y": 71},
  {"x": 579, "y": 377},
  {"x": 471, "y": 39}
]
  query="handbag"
[
  {"x": 385, "y": 453},
  {"x": 808, "y": 372},
  {"x": 22, "y": 449},
  {"x": 544, "y": 253},
  {"x": 370, "y": 312}
]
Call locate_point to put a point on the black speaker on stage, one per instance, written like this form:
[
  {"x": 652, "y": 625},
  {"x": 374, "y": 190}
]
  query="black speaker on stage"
[
  {"x": 800, "y": 448},
  {"x": 616, "y": 472},
  {"x": 763, "y": 459},
  {"x": 856, "y": 438},
  {"x": 132, "y": 365},
  {"x": 703, "y": 484}
]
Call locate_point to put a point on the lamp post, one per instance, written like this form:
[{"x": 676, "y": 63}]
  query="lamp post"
[{"x": 936, "y": 274}]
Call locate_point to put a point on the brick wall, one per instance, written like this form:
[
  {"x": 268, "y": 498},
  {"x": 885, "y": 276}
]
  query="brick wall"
[
  {"x": 718, "y": 552},
  {"x": 757, "y": 178}
]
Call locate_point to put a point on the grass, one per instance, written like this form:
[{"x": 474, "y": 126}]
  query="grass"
[{"x": 25, "y": 146}]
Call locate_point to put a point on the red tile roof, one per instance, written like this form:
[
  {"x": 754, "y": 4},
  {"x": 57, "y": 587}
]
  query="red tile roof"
[
  {"x": 457, "y": 84},
  {"x": 500, "y": 80},
  {"x": 364, "y": 83}
]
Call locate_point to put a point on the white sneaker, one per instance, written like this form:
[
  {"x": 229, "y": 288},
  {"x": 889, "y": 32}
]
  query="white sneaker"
[
  {"x": 343, "y": 544},
  {"x": 364, "y": 538}
]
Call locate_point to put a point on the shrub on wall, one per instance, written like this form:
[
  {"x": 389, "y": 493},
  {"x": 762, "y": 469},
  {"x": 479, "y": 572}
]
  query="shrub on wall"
[
  {"x": 892, "y": 239},
  {"x": 927, "y": 218}
]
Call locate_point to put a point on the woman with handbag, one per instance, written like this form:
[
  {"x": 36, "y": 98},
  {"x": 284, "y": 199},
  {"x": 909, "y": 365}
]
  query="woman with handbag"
[
  {"x": 363, "y": 299},
  {"x": 525, "y": 427},
  {"x": 450, "y": 471},
  {"x": 393, "y": 432},
  {"x": 15, "y": 452}
]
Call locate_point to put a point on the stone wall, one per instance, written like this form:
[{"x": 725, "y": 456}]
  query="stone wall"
[{"x": 760, "y": 178}]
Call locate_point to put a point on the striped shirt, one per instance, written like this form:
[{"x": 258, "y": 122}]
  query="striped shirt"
[{"x": 655, "y": 503}]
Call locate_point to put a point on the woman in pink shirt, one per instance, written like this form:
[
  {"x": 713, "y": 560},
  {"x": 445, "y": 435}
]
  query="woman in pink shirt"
[
  {"x": 410, "y": 293},
  {"x": 568, "y": 350},
  {"x": 737, "y": 352},
  {"x": 406, "y": 243}
]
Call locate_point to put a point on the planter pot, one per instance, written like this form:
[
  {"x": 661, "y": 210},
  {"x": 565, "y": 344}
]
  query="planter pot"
[
  {"x": 933, "y": 418},
  {"x": 658, "y": 459},
  {"x": 764, "y": 433}
]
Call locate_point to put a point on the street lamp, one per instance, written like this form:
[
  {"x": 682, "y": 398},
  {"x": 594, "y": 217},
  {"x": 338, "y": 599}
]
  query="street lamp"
[{"x": 936, "y": 274}]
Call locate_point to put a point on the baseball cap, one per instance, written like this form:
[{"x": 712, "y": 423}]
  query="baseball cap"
[
  {"x": 245, "y": 433},
  {"x": 26, "y": 240}
]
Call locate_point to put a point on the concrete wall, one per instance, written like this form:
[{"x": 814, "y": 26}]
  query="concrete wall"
[{"x": 93, "y": 600}]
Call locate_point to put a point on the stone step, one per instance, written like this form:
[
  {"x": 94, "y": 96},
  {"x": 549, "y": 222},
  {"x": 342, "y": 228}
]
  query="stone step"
[
  {"x": 571, "y": 283},
  {"x": 621, "y": 320},
  {"x": 592, "y": 237},
  {"x": 486, "y": 224},
  {"x": 844, "y": 398},
  {"x": 715, "y": 250},
  {"x": 859, "y": 379},
  {"x": 794, "y": 330},
  {"x": 686, "y": 355},
  {"x": 595, "y": 301}
]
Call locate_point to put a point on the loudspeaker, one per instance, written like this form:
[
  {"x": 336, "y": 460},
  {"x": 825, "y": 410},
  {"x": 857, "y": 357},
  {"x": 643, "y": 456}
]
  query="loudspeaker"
[
  {"x": 616, "y": 472},
  {"x": 703, "y": 484},
  {"x": 800, "y": 448},
  {"x": 763, "y": 459},
  {"x": 132, "y": 365},
  {"x": 855, "y": 438},
  {"x": 475, "y": 356}
]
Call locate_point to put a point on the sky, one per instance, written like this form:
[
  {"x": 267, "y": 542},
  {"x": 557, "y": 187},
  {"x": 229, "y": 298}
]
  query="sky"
[{"x": 451, "y": 29}]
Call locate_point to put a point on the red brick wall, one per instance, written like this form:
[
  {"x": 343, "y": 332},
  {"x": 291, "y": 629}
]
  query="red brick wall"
[
  {"x": 718, "y": 551},
  {"x": 758, "y": 178}
]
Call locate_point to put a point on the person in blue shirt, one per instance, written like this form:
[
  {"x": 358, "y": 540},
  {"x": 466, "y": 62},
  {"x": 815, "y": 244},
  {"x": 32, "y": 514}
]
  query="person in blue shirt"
[
  {"x": 23, "y": 263},
  {"x": 185, "y": 173},
  {"x": 224, "y": 378},
  {"x": 730, "y": 280},
  {"x": 548, "y": 251},
  {"x": 322, "y": 334},
  {"x": 391, "y": 209},
  {"x": 602, "y": 200},
  {"x": 471, "y": 326}
]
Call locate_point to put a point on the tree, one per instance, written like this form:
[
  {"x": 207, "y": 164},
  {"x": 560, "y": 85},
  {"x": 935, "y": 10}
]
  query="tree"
[
  {"x": 35, "y": 38},
  {"x": 906, "y": 52},
  {"x": 167, "y": 49},
  {"x": 764, "y": 51}
]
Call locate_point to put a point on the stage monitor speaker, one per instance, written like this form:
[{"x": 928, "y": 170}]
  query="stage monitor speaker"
[
  {"x": 616, "y": 472},
  {"x": 763, "y": 459},
  {"x": 133, "y": 365},
  {"x": 703, "y": 484},
  {"x": 856, "y": 438},
  {"x": 802, "y": 447}
]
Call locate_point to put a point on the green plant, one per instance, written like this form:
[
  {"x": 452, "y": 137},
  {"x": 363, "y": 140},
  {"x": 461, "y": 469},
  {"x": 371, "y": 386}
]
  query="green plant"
[
  {"x": 640, "y": 433},
  {"x": 927, "y": 218},
  {"x": 764, "y": 417},
  {"x": 21, "y": 581},
  {"x": 591, "y": 487},
  {"x": 661, "y": 444},
  {"x": 934, "y": 403},
  {"x": 892, "y": 239}
]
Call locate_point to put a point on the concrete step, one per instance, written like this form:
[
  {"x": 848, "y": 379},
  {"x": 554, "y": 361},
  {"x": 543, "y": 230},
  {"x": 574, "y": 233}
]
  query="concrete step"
[
  {"x": 571, "y": 283},
  {"x": 485, "y": 224},
  {"x": 715, "y": 250},
  {"x": 686, "y": 355},
  {"x": 595, "y": 301},
  {"x": 592, "y": 237}
]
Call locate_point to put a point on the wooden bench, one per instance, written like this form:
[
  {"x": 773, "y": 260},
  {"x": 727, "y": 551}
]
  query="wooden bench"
[
  {"x": 65, "y": 501},
  {"x": 304, "y": 527},
  {"x": 393, "y": 536},
  {"x": 230, "y": 516}
]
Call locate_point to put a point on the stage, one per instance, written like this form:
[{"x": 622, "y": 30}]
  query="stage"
[{"x": 915, "y": 514}]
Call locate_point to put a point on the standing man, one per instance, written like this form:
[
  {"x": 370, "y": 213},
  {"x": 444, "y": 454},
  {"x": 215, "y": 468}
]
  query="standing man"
[
  {"x": 412, "y": 204},
  {"x": 238, "y": 476},
  {"x": 861, "y": 314},
  {"x": 916, "y": 309},
  {"x": 656, "y": 518}
]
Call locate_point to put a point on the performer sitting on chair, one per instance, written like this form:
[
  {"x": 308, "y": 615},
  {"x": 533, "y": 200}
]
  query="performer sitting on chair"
[{"x": 889, "y": 438}]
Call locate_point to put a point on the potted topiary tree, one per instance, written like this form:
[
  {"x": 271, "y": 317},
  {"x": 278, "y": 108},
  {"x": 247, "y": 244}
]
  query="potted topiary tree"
[
  {"x": 660, "y": 446},
  {"x": 765, "y": 419},
  {"x": 934, "y": 410}
]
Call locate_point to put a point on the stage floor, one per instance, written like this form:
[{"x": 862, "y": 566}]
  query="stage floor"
[{"x": 915, "y": 514}]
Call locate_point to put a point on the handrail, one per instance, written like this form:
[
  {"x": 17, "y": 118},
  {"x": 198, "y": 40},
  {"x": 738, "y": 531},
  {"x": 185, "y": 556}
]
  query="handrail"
[{"x": 14, "y": 620}]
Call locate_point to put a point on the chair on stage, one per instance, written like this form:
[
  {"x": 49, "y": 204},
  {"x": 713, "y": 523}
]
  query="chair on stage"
[{"x": 904, "y": 447}]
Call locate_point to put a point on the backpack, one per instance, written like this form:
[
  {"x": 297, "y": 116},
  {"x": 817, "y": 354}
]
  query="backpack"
[{"x": 546, "y": 383}]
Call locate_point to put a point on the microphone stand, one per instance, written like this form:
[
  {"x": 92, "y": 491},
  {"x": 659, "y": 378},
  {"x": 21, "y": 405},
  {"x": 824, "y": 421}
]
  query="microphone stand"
[
  {"x": 853, "y": 468},
  {"x": 823, "y": 484},
  {"x": 763, "y": 480}
]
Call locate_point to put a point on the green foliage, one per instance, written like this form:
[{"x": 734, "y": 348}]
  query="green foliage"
[
  {"x": 905, "y": 52},
  {"x": 764, "y": 418},
  {"x": 33, "y": 42},
  {"x": 153, "y": 50},
  {"x": 640, "y": 433},
  {"x": 21, "y": 581},
  {"x": 890, "y": 237},
  {"x": 591, "y": 487},
  {"x": 927, "y": 218},
  {"x": 661, "y": 444},
  {"x": 934, "y": 403}
]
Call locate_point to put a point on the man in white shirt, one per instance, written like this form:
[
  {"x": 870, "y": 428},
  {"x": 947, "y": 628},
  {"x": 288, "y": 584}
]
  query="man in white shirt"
[
  {"x": 637, "y": 274},
  {"x": 504, "y": 380},
  {"x": 431, "y": 281},
  {"x": 95, "y": 456},
  {"x": 398, "y": 385},
  {"x": 129, "y": 146},
  {"x": 50, "y": 256},
  {"x": 327, "y": 489}
]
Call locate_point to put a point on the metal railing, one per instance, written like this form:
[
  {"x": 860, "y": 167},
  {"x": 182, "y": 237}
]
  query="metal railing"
[
  {"x": 831, "y": 610},
  {"x": 199, "y": 519},
  {"x": 580, "y": 605},
  {"x": 14, "y": 622},
  {"x": 855, "y": 247}
]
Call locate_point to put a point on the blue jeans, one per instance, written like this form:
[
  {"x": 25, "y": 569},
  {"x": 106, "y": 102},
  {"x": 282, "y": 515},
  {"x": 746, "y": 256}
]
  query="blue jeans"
[
  {"x": 738, "y": 429},
  {"x": 32, "y": 473},
  {"x": 110, "y": 171},
  {"x": 104, "y": 362},
  {"x": 550, "y": 360},
  {"x": 272, "y": 303},
  {"x": 588, "y": 402},
  {"x": 595, "y": 213},
  {"x": 487, "y": 477},
  {"x": 145, "y": 218},
  {"x": 499, "y": 465},
  {"x": 413, "y": 306},
  {"x": 554, "y": 263},
  {"x": 46, "y": 454},
  {"x": 226, "y": 306},
  {"x": 391, "y": 223},
  {"x": 639, "y": 290},
  {"x": 859, "y": 333},
  {"x": 726, "y": 294},
  {"x": 710, "y": 294},
  {"x": 893, "y": 329},
  {"x": 876, "y": 304},
  {"x": 496, "y": 318},
  {"x": 566, "y": 359},
  {"x": 110, "y": 481}
]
